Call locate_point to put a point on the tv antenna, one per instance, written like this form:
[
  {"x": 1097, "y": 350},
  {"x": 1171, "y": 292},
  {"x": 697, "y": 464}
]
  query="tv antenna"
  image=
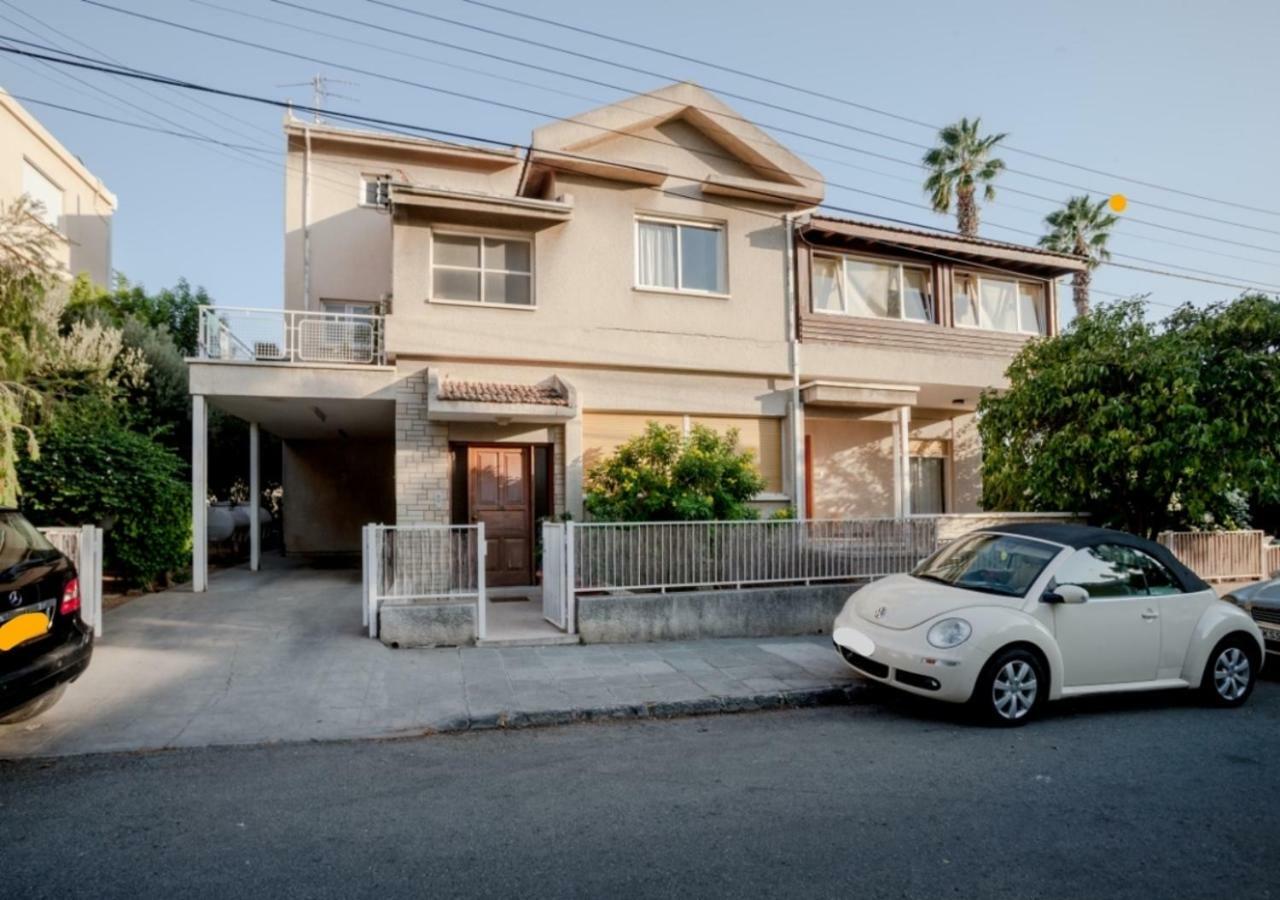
[{"x": 321, "y": 91}]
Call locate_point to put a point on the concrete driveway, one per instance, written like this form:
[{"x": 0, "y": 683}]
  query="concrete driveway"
[{"x": 280, "y": 655}]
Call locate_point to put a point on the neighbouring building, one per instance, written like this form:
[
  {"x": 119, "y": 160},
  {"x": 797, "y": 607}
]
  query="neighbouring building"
[
  {"x": 76, "y": 204},
  {"x": 467, "y": 329}
]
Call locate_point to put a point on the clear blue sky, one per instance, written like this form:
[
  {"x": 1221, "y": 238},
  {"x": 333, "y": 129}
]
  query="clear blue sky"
[{"x": 1181, "y": 94}]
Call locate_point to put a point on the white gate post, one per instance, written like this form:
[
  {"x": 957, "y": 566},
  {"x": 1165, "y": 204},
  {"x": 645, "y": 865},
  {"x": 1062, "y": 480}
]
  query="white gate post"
[
  {"x": 364, "y": 575},
  {"x": 482, "y": 601},
  {"x": 89, "y": 565},
  {"x": 569, "y": 580},
  {"x": 375, "y": 576}
]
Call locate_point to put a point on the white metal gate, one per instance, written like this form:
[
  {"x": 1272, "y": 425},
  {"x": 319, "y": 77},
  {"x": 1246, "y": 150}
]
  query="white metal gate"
[
  {"x": 83, "y": 546},
  {"x": 422, "y": 562},
  {"x": 556, "y": 583}
]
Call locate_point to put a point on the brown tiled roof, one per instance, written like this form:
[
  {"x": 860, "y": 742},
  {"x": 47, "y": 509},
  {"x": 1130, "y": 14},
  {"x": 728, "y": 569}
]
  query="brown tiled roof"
[
  {"x": 545, "y": 394},
  {"x": 817, "y": 220}
]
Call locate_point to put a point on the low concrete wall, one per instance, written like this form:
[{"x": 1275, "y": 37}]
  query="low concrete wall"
[
  {"x": 427, "y": 624},
  {"x": 751, "y": 612}
]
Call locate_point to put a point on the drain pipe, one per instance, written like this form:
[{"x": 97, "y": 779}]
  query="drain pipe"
[
  {"x": 793, "y": 334},
  {"x": 306, "y": 219}
]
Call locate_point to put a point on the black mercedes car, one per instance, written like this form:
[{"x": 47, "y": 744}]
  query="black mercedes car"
[{"x": 44, "y": 644}]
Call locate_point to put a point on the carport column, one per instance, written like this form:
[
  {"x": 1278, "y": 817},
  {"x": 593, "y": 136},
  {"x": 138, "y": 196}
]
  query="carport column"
[
  {"x": 255, "y": 492},
  {"x": 902, "y": 462},
  {"x": 199, "y": 495}
]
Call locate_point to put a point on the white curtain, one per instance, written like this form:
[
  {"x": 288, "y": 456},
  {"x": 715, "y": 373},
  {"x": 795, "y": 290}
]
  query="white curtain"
[
  {"x": 1000, "y": 304},
  {"x": 1034, "y": 314},
  {"x": 826, "y": 285},
  {"x": 868, "y": 287},
  {"x": 657, "y": 255}
]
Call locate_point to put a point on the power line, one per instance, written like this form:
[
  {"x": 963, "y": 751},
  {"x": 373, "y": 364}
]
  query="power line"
[
  {"x": 370, "y": 120},
  {"x": 850, "y": 103}
]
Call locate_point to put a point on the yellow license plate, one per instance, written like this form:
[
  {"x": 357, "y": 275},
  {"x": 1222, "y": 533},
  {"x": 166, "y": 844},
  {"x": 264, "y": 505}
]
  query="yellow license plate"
[{"x": 23, "y": 628}]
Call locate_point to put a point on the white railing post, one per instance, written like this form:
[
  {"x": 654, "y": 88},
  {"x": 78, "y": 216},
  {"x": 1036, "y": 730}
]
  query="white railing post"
[
  {"x": 364, "y": 576},
  {"x": 570, "y": 579},
  {"x": 377, "y": 538},
  {"x": 482, "y": 600},
  {"x": 90, "y": 568}
]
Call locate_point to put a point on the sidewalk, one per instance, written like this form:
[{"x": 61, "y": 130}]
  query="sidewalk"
[{"x": 279, "y": 656}]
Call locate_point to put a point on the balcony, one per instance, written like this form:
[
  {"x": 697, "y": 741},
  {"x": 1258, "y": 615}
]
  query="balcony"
[{"x": 280, "y": 336}]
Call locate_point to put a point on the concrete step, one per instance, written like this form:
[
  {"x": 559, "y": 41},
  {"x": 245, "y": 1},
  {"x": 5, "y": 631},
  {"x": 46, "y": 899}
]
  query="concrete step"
[{"x": 549, "y": 640}]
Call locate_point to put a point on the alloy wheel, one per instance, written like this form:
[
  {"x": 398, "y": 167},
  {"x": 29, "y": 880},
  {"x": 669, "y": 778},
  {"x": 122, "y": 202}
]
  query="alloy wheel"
[
  {"x": 1231, "y": 674},
  {"x": 1013, "y": 692}
]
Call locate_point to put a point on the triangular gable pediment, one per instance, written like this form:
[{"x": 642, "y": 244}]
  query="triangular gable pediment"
[{"x": 634, "y": 136}]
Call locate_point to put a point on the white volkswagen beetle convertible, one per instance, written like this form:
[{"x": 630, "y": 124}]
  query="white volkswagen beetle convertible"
[{"x": 1012, "y": 618}]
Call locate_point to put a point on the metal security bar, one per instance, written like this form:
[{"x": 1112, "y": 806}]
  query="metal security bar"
[
  {"x": 278, "y": 335},
  {"x": 83, "y": 546},
  {"x": 662, "y": 555},
  {"x": 423, "y": 563}
]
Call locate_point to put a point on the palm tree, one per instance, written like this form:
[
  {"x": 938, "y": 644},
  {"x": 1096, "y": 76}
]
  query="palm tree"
[
  {"x": 1081, "y": 227},
  {"x": 957, "y": 166}
]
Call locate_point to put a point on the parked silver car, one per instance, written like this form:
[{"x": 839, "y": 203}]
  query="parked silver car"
[{"x": 1262, "y": 602}]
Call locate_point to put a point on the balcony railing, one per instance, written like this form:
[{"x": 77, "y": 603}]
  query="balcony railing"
[{"x": 241, "y": 334}]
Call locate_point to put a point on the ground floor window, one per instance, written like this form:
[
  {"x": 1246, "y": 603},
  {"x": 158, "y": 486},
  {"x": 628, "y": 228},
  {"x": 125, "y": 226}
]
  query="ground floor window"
[{"x": 928, "y": 485}]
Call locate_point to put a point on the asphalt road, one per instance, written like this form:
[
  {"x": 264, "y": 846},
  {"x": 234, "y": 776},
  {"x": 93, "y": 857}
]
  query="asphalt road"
[{"x": 1148, "y": 796}]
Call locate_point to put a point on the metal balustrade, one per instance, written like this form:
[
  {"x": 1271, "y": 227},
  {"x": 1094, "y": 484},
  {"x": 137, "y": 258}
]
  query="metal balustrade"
[
  {"x": 423, "y": 563},
  {"x": 242, "y": 334}
]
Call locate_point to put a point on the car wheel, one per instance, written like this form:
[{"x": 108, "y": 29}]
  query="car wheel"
[
  {"x": 33, "y": 708},
  {"x": 1231, "y": 671},
  {"x": 1011, "y": 688}
]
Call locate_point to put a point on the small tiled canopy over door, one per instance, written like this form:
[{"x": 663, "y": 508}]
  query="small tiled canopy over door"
[{"x": 500, "y": 498}]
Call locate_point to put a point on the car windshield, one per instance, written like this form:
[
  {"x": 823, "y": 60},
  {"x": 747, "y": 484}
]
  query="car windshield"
[
  {"x": 994, "y": 563},
  {"x": 19, "y": 541}
]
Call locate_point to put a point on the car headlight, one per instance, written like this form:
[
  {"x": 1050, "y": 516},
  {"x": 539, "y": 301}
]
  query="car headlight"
[{"x": 950, "y": 633}]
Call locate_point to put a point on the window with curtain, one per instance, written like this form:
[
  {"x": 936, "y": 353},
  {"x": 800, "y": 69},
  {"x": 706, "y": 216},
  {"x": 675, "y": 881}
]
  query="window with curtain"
[
  {"x": 928, "y": 486},
  {"x": 680, "y": 256},
  {"x": 1000, "y": 304},
  {"x": 873, "y": 289},
  {"x": 468, "y": 268}
]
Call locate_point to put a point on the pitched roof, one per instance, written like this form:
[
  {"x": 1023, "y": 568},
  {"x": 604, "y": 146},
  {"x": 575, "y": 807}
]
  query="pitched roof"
[{"x": 546, "y": 394}]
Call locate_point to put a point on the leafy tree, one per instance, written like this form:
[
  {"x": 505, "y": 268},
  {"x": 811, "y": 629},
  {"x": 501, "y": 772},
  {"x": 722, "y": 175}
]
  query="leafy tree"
[
  {"x": 176, "y": 309},
  {"x": 958, "y": 166},
  {"x": 1081, "y": 227},
  {"x": 93, "y": 469},
  {"x": 661, "y": 476},
  {"x": 1144, "y": 427}
]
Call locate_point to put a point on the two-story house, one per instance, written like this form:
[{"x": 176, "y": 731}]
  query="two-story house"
[
  {"x": 75, "y": 204},
  {"x": 467, "y": 329}
]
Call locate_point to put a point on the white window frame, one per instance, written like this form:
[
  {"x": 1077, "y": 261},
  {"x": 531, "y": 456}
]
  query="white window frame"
[
  {"x": 880, "y": 261},
  {"x": 1018, "y": 281},
  {"x": 481, "y": 236},
  {"x": 703, "y": 224},
  {"x": 383, "y": 180},
  {"x": 56, "y": 224}
]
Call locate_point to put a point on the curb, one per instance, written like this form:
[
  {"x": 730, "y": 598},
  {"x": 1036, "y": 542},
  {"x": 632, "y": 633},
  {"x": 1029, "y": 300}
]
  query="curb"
[{"x": 835, "y": 695}]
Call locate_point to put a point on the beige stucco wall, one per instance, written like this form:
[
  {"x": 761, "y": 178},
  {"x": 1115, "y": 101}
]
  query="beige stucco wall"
[
  {"x": 853, "y": 463},
  {"x": 84, "y": 228},
  {"x": 331, "y": 490}
]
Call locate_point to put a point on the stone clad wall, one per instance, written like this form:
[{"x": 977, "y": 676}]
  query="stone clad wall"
[{"x": 422, "y": 455}]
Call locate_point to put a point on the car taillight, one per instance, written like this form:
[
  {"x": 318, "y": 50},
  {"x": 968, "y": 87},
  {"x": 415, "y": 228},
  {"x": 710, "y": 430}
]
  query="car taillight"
[{"x": 70, "y": 597}]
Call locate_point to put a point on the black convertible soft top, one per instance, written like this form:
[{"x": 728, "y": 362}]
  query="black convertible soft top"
[{"x": 1079, "y": 536}]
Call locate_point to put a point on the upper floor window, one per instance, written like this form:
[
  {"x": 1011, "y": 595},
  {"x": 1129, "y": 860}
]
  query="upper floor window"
[
  {"x": 1001, "y": 304},
  {"x": 680, "y": 256},
  {"x": 874, "y": 288},
  {"x": 375, "y": 190},
  {"x": 469, "y": 268},
  {"x": 39, "y": 187}
]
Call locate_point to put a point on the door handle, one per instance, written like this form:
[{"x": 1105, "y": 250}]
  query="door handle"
[{"x": 1150, "y": 614}]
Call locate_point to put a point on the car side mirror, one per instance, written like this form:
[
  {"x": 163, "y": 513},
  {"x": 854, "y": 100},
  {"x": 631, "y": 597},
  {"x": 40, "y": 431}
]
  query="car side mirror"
[{"x": 1066, "y": 593}]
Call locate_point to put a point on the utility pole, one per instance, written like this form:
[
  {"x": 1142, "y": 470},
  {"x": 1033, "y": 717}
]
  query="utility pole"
[{"x": 320, "y": 92}]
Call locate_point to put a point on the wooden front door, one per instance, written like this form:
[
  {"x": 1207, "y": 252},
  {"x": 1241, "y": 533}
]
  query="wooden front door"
[{"x": 499, "y": 495}]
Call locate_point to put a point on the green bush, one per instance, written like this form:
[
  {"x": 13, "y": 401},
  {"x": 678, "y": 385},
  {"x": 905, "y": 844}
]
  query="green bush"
[
  {"x": 93, "y": 470},
  {"x": 663, "y": 476}
]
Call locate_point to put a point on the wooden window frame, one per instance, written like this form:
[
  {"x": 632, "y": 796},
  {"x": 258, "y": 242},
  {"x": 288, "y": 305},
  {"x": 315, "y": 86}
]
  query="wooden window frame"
[
  {"x": 481, "y": 236},
  {"x": 705, "y": 225},
  {"x": 1018, "y": 281},
  {"x": 902, "y": 266}
]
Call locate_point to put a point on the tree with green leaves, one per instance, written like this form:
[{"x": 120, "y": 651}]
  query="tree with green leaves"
[
  {"x": 175, "y": 309},
  {"x": 959, "y": 165},
  {"x": 664, "y": 476},
  {"x": 1143, "y": 426},
  {"x": 1082, "y": 228}
]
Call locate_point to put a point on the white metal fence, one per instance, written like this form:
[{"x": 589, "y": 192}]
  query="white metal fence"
[
  {"x": 278, "y": 335},
  {"x": 1223, "y": 555},
  {"x": 663, "y": 555},
  {"x": 83, "y": 546},
  {"x": 423, "y": 562}
]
